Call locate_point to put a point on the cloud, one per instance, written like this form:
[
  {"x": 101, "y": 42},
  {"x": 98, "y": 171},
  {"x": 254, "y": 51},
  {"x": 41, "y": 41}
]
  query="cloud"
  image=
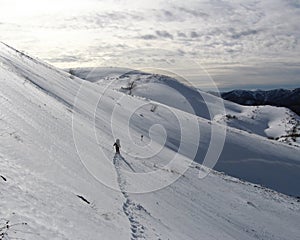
[
  {"x": 194, "y": 34},
  {"x": 293, "y": 3},
  {"x": 263, "y": 76},
  {"x": 91, "y": 20},
  {"x": 244, "y": 33},
  {"x": 215, "y": 32},
  {"x": 164, "y": 34},
  {"x": 181, "y": 34},
  {"x": 148, "y": 37},
  {"x": 65, "y": 58},
  {"x": 166, "y": 16},
  {"x": 192, "y": 12}
]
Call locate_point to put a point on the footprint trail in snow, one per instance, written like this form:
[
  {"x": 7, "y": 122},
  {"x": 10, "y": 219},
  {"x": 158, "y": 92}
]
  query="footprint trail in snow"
[{"x": 130, "y": 208}]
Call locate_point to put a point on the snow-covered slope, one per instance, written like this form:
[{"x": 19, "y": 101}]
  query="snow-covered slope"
[
  {"x": 271, "y": 122},
  {"x": 45, "y": 184}
]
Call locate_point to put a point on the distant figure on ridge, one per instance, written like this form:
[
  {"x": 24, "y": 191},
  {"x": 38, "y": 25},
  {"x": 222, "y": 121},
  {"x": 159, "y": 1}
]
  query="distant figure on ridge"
[{"x": 117, "y": 146}]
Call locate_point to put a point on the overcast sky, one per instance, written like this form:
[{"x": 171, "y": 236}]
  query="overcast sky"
[{"x": 241, "y": 44}]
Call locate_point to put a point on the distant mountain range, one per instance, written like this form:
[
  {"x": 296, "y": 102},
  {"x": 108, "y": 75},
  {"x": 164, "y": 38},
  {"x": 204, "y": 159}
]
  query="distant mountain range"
[{"x": 276, "y": 97}]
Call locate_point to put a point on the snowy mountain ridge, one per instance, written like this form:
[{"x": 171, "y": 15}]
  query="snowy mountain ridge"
[
  {"x": 271, "y": 122},
  {"x": 277, "y": 97},
  {"x": 65, "y": 185}
]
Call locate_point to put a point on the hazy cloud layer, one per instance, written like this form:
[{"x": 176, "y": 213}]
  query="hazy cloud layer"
[{"x": 218, "y": 33}]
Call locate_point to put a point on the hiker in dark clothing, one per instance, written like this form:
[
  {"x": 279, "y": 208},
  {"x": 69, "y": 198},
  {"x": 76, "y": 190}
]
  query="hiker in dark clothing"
[{"x": 117, "y": 145}]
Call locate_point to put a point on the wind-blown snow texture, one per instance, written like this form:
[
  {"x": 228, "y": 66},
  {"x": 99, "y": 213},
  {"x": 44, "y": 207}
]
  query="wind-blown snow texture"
[{"x": 47, "y": 187}]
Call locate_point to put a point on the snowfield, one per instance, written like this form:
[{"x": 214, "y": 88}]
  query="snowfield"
[
  {"x": 60, "y": 178},
  {"x": 267, "y": 121},
  {"x": 247, "y": 153}
]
